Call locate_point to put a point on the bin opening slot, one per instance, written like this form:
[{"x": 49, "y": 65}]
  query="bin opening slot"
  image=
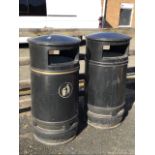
[
  {"x": 62, "y": 56},
  {"x": 113, "y": 50}
]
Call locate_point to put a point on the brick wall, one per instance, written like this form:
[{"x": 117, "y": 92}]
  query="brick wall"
[{"x": 113, "y": 13}]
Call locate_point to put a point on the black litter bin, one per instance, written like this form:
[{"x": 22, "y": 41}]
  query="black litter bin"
[
  {"x": 106, "y": 65},
  {"x": 54, "y": 83}
]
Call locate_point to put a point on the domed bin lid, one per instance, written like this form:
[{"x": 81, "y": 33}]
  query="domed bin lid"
[
  {"x": 108, "y": 37},
  {"x": 55, "y": 40}
]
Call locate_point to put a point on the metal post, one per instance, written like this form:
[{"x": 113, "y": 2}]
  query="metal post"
[{"x": 104, "y": 13}]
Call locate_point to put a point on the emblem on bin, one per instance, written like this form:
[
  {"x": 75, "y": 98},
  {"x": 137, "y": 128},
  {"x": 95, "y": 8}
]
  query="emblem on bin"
[{"x": 65, "y": 90}]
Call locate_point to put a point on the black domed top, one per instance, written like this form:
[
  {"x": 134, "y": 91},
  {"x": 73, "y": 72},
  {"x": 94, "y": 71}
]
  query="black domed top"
[
  {"x": 108, "y": 37},
  {"x": 54, "y": 40}
]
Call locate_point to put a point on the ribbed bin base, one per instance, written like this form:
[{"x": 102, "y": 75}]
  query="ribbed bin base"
[
  {"x": 105, "y": 121},
  {"x": 101, "y": 126},
  {"x": 53, "y": 142},
  {"x": 55, "y": 133}
]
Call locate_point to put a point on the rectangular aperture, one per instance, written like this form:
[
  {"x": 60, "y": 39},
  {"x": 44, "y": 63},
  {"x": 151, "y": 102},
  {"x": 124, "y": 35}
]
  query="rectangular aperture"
[
  {"x": 114, "y": 50},
  {"x": 62, "y": 56}
]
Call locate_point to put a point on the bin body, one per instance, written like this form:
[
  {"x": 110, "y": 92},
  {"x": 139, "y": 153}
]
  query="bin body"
[
  {"x": 106, "y": 65},
  {"x": 54, "y": 84}
]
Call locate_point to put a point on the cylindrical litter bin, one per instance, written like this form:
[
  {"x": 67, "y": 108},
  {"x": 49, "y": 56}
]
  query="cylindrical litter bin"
[
  {"x": 54, "y": 84},
  {"x": 106, "y": 65}
]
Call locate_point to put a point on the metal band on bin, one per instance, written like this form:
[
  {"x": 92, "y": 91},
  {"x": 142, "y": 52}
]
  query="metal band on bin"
[
  {"x": 44, "y": 72},
  {"x": 92, "y": 62}
]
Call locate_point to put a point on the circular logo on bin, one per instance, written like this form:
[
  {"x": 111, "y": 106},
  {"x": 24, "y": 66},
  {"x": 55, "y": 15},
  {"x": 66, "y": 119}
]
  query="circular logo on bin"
[{"x": 65, "y": 90}]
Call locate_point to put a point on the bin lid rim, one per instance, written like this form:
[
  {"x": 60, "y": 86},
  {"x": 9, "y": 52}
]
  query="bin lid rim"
[
  {"x": 108, "y": 37},
  {"x": 54, "y": 40}
]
